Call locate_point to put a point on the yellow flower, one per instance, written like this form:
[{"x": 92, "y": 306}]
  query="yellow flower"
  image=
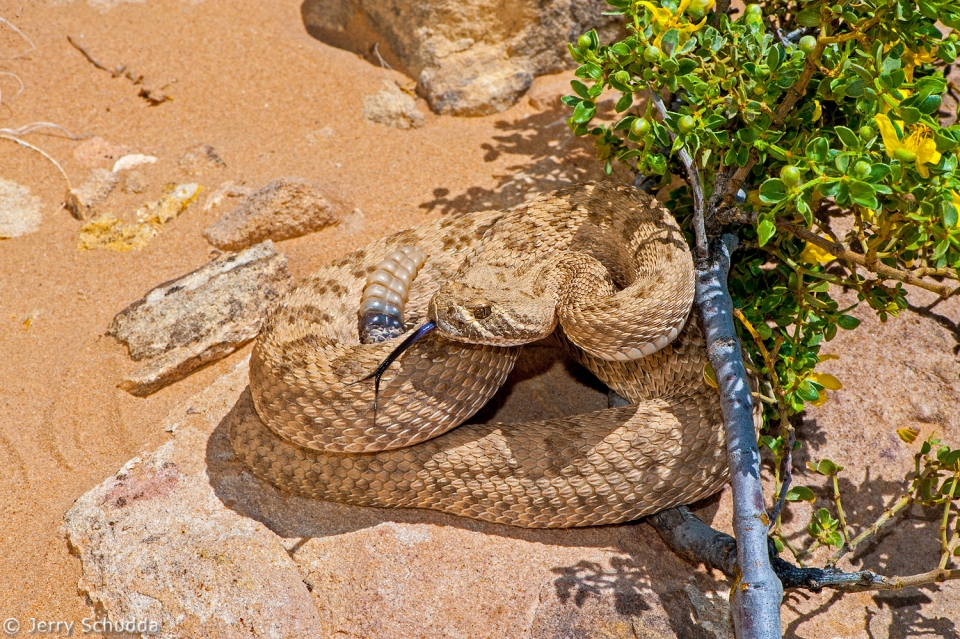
[
  {"x": 917, "y": 147},
  {"x": 813, "y": 254},
  {"x": 955, "y": 198},
  {"x": 912, "y": 59},
  {"x": 664, "y": 20},
  {"x": 826, "y": 380}
]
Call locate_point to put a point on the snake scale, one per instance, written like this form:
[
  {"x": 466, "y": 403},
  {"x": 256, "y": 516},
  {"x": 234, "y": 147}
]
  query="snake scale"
[{"x": 604, "y": 268}]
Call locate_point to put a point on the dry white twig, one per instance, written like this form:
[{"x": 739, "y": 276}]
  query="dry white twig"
[{"x": 23, "y": 35}]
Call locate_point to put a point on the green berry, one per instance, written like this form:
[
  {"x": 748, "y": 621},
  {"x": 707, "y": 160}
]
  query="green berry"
[
  {"x": 953, "y": 37},
  {"x": 790, "y": 176},
  {"x": 753, "y": 14},
  {"x": 651, "y": 54},
  {"x": 640, "y": 127},
  {"x": 808, "y": 43},
  {"x": 585, "y": 42},
  {"x": 867, "y": 132},
  {"x": 862, "y": 169},
  {"x": 686, "y": 124},
  {"x": 622, "y": 77},
  {"x": 697, "y": 9},
  {"x": 905, "y": 155}
]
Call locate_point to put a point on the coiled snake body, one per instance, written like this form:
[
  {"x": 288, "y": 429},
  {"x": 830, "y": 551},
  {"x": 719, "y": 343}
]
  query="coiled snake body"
[{"x": 605, "y": 268}]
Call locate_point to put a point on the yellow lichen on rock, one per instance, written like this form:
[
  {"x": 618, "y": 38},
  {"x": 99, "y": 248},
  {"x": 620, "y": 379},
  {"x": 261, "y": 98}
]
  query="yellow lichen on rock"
[{"x": 108, "y": 232}]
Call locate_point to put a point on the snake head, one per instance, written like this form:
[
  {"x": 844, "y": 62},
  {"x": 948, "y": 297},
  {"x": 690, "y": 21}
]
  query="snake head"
[{"x": 482, "y": 308}]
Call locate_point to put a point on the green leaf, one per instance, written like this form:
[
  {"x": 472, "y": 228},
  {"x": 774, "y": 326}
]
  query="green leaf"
[
  {"x": 669, "y": 42},
  {"x": 801, "y": 493},
  {"x": 584, "y": 112},
  {"x": 657, "y": 163},
  {"x": 847, "y": 137},
  {"x": 817, "y": 149},
  {"x": 773, "y": 58},
  {"x": 848, "y": 322},
  {"x": 863, "y": 194},
  {"x": 624, "y": 102},
  {"x": 807, "y": 392},
  {"x": 685, "y": 66},
  {"x": 571, "y": 100},
  {"x": 580, "y": 88},
  {"x": 930, "y": 105},
  {"x": 773, "y": 191},
  {"x": 809, "y": 17},
  {"x": 765, "y": 230},
  {"x": 825, "y": 467},
  {"x": 910, "y": 115},
  {"x": 949, "y": 215}
]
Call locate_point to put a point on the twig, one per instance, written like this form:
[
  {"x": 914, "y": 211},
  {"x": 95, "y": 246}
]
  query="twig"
[
  {"x": 786, "y": 430},
  {"x": 23, "y": 35},
  {"x": 114, "y": 72},
  {"x": 36, "y": 126},
  {"x": 693, "y": 175},
  {"x": 41, "y": 152},
  {"x": 697, "y": 542},
  {"x": 876, "y": 266},
  {"x": 15, "y": 77},
  {"x": 153, "y": 96}
]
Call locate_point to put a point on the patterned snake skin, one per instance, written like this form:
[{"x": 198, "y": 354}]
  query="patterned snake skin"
[{"x": 604, "y": 268}]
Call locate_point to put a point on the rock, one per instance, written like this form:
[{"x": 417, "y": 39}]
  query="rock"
[
  {"x": 470, "y": 57},
  {"x": 283, "y": 209},
  {"x": 132, "y": 160},
  {"x": 188, "y": 536},
  {"x": 392, "y": 107},
  {"x": 198, "y": 158},
  {"x": 201, "y": 317},
  {"x": 134, "y": 182},
  {"x": 200, "y": 569},
  {"x": 353, "y": 224},
  {"x": 99, "y": 184},
  {"x": 96, "y": 152},
  {"x": 19, "y": 210},
  {"x": 110, "y": 233}
]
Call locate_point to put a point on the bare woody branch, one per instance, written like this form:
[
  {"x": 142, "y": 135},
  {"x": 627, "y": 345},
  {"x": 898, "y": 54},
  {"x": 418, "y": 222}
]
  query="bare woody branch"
[{"x": 876, "y": 266}]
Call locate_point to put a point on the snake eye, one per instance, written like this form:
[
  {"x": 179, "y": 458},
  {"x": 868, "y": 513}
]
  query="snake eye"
[{"x": 480, "y": 312}]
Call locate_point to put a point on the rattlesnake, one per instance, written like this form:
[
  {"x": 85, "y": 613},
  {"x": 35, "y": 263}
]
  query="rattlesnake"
[{"x": 307, "y": 423}]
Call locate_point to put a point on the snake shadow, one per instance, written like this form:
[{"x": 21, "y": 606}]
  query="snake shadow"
[
  {"x": 547, "y": 156},
  {"x": 624, "y": 574}
]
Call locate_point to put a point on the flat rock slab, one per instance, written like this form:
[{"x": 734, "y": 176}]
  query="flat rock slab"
[
  {"x": 187, "y": 536},
  {"x": 201, "y": 317},
  {"x": 283, "y": 209}
]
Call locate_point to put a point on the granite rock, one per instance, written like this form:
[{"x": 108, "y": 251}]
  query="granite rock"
[
  {"x": 469, "y": 57},
  {"x": 19, "y": 210},
  {"x": 283, "y": 209},
  {"x": 201, "y": 317},
  {"x": 95, "y": 189},
  {"x": 392, "y": 107}
]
